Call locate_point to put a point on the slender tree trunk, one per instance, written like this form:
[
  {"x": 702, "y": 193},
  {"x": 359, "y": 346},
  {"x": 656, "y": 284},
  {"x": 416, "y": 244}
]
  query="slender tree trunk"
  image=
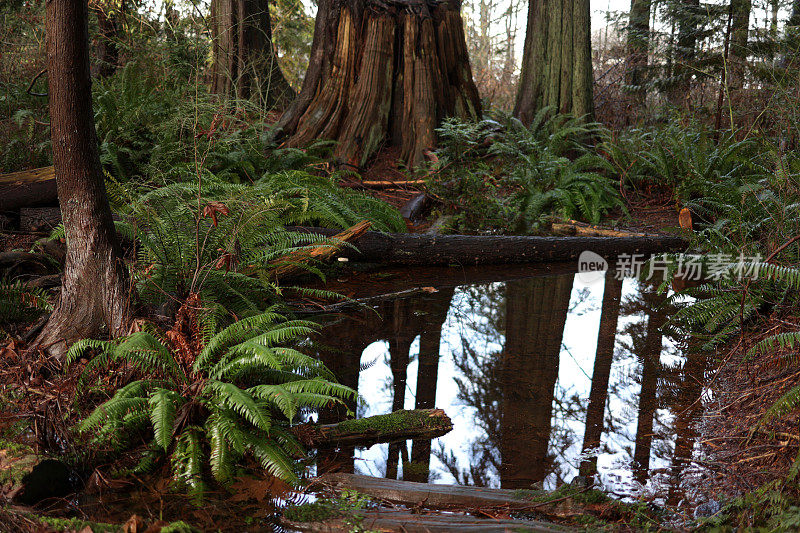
[
  {"x": 95, "y": 289},
  {"x": 557, "y": 60},
  {"x": 638, "y": 49},
  {"x": 383, "y": 73},
  {"x": 109, "y": 26},
  {"x": 740, "y": 24},
  {"x": 604, "y": 356},
  {"x": 536, "y": 311},
  {"x": 685, "y": 45},
  {"x": 245, "y": 62}
]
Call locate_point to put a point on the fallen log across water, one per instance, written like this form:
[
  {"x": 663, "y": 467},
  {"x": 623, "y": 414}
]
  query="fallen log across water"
[
  {"x": 408, "y": 522},
  {"x": 430, "y": 496},
  {"x": 425, "y": 249},
  {"x": 400, "y": 425},
  {"x": 28, "y": 188}
]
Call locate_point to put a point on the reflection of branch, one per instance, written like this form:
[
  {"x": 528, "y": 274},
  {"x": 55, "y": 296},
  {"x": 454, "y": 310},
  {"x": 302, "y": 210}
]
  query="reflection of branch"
[{"x": 33, "y": 81}]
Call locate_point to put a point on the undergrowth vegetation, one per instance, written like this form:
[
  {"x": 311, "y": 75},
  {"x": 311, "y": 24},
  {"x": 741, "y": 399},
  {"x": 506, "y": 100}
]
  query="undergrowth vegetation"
[
  {"x": 208, "y": 398},
  {"x": 500, "y": 175}
]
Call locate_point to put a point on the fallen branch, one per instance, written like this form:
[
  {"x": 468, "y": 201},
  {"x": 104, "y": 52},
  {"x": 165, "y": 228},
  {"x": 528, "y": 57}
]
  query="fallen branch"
[
  {"x": 397, "y": 426},
  {"x": 294, "y": 263},
  {"x": 27, "y": 188}
]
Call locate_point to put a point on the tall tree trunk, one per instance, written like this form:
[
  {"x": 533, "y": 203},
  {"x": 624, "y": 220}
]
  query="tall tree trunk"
[
  {"x": 686, "y": 17},
  {"x": 740, "y": 24},
  {"x": 638, "y": 49},
  {"x": 604, "y": 356},
  {"x": 536, "y": 311},
  {"x": 109, "y": 29},
  {"x": 245, "y": 62},
  {"x": 557, "y": 60},
  {"x": 383, "y": 73},
  {"x": 95, "y": 288}
]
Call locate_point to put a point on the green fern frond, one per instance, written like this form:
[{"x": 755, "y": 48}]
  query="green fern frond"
[{"x": 164, "y": 405}]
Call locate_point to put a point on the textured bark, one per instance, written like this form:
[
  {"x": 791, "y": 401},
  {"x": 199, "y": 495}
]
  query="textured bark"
[
  {"x": 557, "y": 60},
  {"x": 245, "y": 62},
  {"x": 604, "y": 356},
  {"x": 536, "y": 311},
  {"x": 383, "y": 73},
  {"x": 638, "y": 48},
  {"x": 94, "y": 293}
]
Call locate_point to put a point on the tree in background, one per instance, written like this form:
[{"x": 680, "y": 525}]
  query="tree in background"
[
  {"x": 638, "y": 48},
  {"x": 245, "y": 62},
  {"x": 740, "y": 29},
  {"x": 557, "y": 60},
  {"x": 383, "y": 72},
  {"x": 94, "y": 290},
  {"x": 110, "y": 16},
  {"x": 686, "y": 15}
]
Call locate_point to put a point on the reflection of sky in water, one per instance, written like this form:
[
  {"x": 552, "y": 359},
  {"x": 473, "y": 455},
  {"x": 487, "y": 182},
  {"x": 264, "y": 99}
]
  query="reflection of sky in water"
[{"x": 467, "y": 320}]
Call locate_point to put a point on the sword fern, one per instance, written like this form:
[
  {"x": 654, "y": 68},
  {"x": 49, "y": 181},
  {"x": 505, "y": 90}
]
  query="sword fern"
[{"x": 206, "y": 410}]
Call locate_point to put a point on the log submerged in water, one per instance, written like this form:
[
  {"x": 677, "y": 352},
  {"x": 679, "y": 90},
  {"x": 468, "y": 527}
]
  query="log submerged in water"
[
  {"x": 424, "y": 249},
  {"x": 400, "y": 425}
]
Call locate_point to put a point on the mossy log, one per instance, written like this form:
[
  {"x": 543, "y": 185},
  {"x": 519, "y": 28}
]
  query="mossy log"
[
  {"x": 463, "y": 250},
  {"x": 400, "y": 425},
  {"x": 388, "y": 71},
  {"x": 27, "y": 188}
]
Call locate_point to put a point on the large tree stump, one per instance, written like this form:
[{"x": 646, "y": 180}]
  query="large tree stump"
[{"x": 383, "y": 71}]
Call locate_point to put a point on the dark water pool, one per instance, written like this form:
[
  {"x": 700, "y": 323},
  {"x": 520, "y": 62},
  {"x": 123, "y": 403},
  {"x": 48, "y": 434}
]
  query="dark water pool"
[{"x": 546, "y": 377}]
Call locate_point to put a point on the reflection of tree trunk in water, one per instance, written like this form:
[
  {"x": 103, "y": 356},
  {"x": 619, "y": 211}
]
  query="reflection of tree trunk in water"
[
  {"x": 536, "y": 311},
  {"x": 344, "y": 359},
  {"x": 398, "y": 351},
  {"x": 427, "y": 376},
  {"x": 399, "y": 346},
  {"x": 606, "y": 336},
  {"x": 650, "y": 356},
  {"x": 686, "y": 410}
]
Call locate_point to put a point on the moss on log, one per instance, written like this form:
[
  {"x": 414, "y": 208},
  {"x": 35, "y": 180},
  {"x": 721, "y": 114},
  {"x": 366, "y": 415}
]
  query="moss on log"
[{"x": 400, "y": 425}]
